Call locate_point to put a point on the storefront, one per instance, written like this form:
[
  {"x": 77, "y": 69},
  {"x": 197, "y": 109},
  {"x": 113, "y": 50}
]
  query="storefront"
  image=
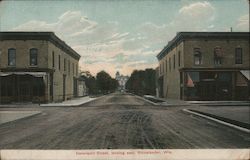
[
  {"x": 215, "y": 85},
  {"x": 23, "y": 87}
]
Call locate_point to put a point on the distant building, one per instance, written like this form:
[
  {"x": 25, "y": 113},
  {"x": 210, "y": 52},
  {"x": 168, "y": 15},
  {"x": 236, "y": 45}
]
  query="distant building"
[
  {"x": 122, "y": 80},
  {"x": 82, "y": 88},
  {"x": 36, "y": 67},
  {"x": 205, "y": 66}
]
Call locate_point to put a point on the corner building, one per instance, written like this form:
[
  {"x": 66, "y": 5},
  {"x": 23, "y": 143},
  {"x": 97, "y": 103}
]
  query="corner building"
[
  {"x": 36, "y": 67},
  {"x": 205, "y": 66}
]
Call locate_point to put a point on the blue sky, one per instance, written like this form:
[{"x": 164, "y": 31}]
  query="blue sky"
[{"x": 122, "y": 35}]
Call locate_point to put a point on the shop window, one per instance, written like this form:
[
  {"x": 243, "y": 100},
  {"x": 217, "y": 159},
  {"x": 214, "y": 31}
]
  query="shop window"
[
  {"x": 238, "y": 56},
  {"x": 33, "y": 57},
  {"x": 38, "y": 87},
  {"x": 218, "y": 55},
  {"x": 12, "y": 57},
  {"x": 197, "y": 56},
  {"x": 224, "y": 76}
]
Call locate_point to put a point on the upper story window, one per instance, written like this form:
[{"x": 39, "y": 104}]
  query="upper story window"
[
  {"x": 33, "y": 57},
  {"x": 69, "y": 66},
  {"x": 218, "y": 55},
  {"x": 166, "y": 65},
  {"x": 169, "y": 63},
  {"x": 174, "y": 61},
  {"x": 179, "y": 58},
  {"x": 12, "y": 57},
  {"x": 197, "y": 56},
  {"x": 64, "y": 64},
  {"x": 59, "y": 62},
  {"x": 53, "y": 59},
  {"x": 76, "y": 69},
  {"x": 238, "y": 55}
]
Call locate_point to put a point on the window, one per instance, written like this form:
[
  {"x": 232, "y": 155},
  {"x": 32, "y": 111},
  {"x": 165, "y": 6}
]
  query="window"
[
  {"x": 238, "y": 55},
  {"x": 33, "y": 57},
  {"x": 163, "y": 67},
  {"x": 12, "y": 57},
  {"x": 197, "y": 56},
  {"x": 179, "y": 58},
  {"x": 64, "y": 64},
  {"x": 174, "y": 61},
  {"x": 53, "y": 59},
  {"x": 169, "y": 62},
  {"x": 76, "y": 69},
  {"x": 73, "y": 68},
  {"x": 217, "y": 55},
  {"x": 69, "y": 67},
  {"x": 166, "y": 65},
  {"x": 59, "y": 62}
]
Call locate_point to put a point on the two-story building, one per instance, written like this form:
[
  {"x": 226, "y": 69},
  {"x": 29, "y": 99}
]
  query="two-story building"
[
  {"x": 205, "y": 66},
  {"x": 36, "y": 67}
]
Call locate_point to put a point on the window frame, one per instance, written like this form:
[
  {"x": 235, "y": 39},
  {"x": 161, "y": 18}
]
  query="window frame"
[
  {"x": 59, "y": 62},
  {"x": 36, "y": 56},
  {"x": 14, "y": 56},
  {"x": 238, "y": 60},
  {"x": 53, "y": 59},
  {"x": 199, "y": 56}
]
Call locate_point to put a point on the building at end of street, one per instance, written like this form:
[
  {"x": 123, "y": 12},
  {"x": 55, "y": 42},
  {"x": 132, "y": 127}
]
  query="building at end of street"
[{"x": 205, "y": 66}]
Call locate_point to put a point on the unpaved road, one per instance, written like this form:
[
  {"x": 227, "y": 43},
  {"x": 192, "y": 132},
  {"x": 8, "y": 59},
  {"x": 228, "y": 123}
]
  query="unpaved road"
[{"x": 117, "y": 121}]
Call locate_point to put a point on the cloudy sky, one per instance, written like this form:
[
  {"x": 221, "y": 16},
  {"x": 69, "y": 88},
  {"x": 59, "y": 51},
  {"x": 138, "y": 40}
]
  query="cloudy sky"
[{"x": 122, "y": 35}]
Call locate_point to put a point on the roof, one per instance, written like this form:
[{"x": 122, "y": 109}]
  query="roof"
[
  {"x": 180, "y": 36},
  {"x": 49, "y": 36}
]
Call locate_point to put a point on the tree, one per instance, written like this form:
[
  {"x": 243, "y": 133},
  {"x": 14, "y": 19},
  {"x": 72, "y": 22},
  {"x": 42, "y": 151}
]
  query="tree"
[
  {"x": 105, "y": 82},
  {"x": 142, "y": 82},
  {"x": 90, "y": 82}
]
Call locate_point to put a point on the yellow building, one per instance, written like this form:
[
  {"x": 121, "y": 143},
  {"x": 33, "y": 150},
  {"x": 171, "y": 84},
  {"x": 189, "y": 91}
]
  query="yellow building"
[
  {"x": 36, "y": 67},
  {"x": 205, "y": 66}
]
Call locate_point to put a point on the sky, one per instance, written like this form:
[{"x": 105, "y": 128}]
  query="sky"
[{"x": 121, "y": 35}]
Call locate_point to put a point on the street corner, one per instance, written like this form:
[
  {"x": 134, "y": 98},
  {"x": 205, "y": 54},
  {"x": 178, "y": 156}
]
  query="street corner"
[{"x": 10, "y": 116}]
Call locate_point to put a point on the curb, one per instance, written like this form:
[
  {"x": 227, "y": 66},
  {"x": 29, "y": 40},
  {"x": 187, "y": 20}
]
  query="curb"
[
  {"x": 68, "y": 105},
  {"x": 224, "y": 122},
  {"x": 156, "y": 104}
]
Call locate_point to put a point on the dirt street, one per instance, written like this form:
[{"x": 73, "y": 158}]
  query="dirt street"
[{"x": 117, "y": 121}]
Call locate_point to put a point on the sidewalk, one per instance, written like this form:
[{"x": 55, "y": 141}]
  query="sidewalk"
[
  {"x": 8, "y": 116},
  {"x": 178, "y": 102},
  {"x": 233, "y": 116},
  {"x": 70, "y": 103}
]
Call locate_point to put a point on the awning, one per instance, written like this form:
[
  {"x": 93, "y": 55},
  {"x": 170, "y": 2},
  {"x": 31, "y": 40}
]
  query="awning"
[
  {"x": 246, "y": 73},
  {"x": 35, "y": 74}
]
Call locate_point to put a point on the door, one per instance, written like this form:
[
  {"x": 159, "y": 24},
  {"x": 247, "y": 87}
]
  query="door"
[{"x": 207, "y": 90}]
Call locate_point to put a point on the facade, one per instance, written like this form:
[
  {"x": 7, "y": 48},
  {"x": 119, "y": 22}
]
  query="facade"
[
  {"x": 36, "y": 67},
  {"x": 122, "y": 80},
  {"x": 205, "y": 66}
]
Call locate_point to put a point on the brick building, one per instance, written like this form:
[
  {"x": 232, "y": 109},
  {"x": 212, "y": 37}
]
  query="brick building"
[
  {"x": 205, "y": 66},
  {"x": 36, "y": 67}
]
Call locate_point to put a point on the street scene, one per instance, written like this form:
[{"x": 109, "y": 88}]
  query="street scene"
[
  {"x": 146, "y": 76},
  {"x": 120, "y": 121}
]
